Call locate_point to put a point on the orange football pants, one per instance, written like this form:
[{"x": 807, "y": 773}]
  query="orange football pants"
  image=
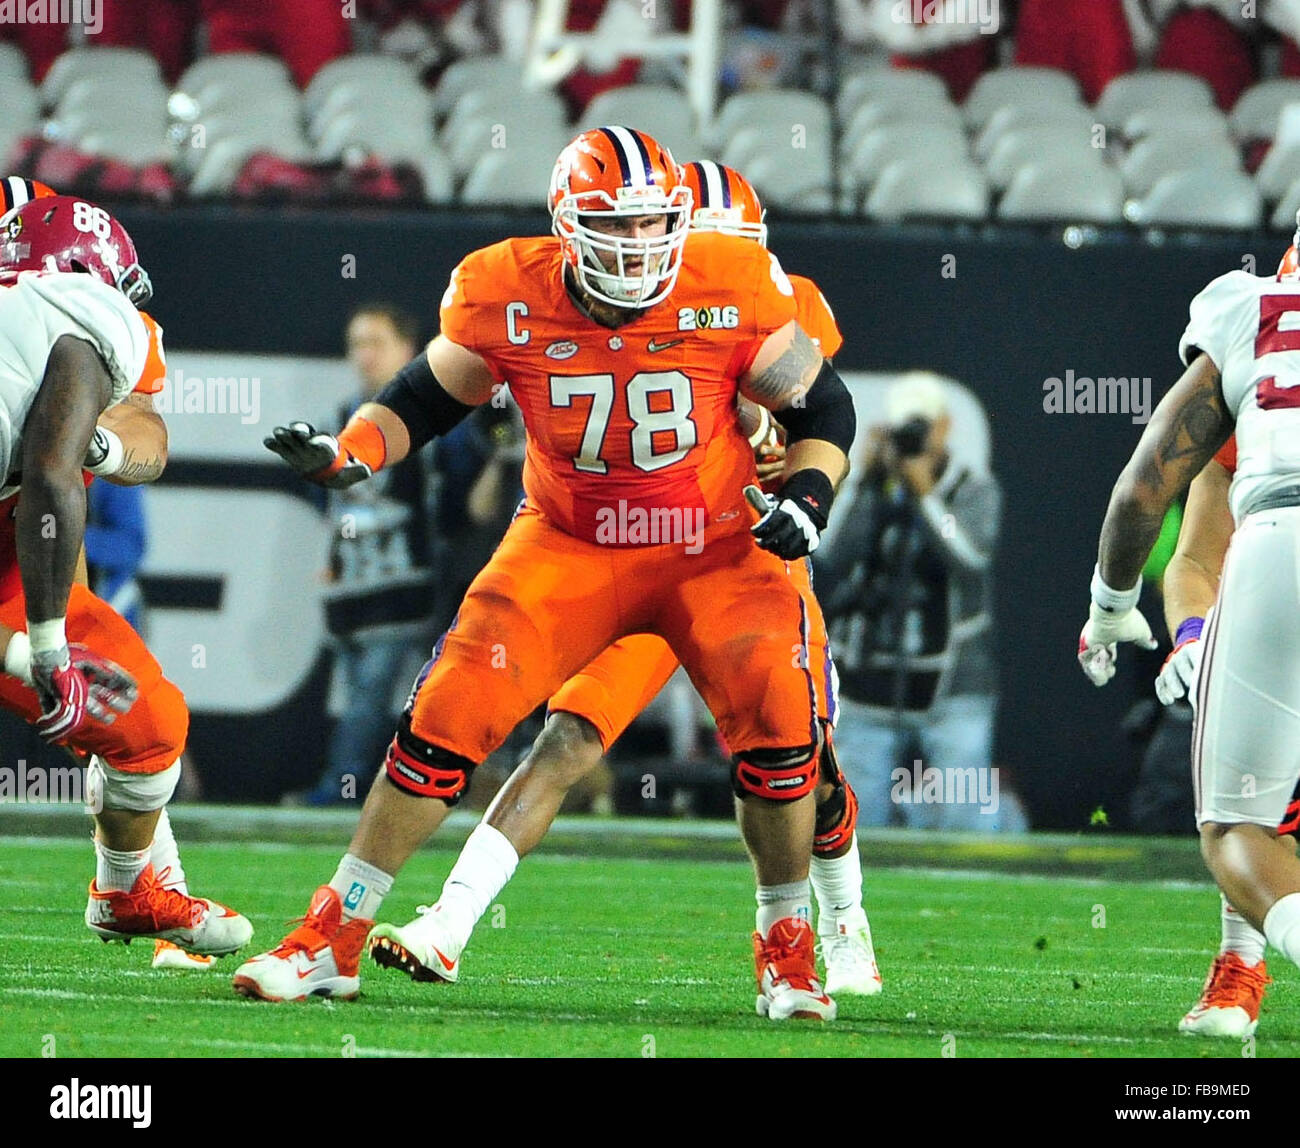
[
  {"x": 147, "y": 739},
  {"x": 622, "y": 681},
  {"x": 547, "y": 604}
]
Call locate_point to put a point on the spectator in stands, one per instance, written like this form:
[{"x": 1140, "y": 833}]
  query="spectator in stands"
[
  {"x": 480, "y": 470},
  {"x": 380, "y": 582},
  {"x": 168, "y": 29},
  {"x": 116, "y": 540},
  {"x": 906, "y": 584},
  {"x": 1091, "y": 39},
  {"x": 948, "y": 39}
]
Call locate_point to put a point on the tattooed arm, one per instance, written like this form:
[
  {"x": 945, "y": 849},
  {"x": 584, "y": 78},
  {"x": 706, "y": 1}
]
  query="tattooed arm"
[
  {"x": 1188, "y": 427},
  {"x": 51, "y": 519},
  {"x": 141, "y": 453},
  {"x": 789, "y": 377}
]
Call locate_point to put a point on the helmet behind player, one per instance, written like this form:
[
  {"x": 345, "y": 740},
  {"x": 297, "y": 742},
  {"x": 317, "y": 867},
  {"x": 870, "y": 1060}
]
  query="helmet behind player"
[
  {"x": 16, "y": 191},
  {"x": 612, "y": 173},
  {"x": 63, "y": 233},
  {"x": 724, "y": 201}
]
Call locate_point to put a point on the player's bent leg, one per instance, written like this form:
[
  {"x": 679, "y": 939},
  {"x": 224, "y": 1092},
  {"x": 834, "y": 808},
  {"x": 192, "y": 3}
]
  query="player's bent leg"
[
  {"x": 429, "y": 948},
  {"x": 127, "y": 898},
  {"x": 776, "y": 810}
]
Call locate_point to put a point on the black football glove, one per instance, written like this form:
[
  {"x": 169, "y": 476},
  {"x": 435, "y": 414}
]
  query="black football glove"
[{"x": 792, "y": 522}]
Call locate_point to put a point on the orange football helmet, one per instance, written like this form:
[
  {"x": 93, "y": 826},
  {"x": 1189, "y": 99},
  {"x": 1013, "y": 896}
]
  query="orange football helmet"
[
  {"x": 724, "y": 201},
  {"x": 15, "y": 191},
  {"x": 610, "y": 173}
]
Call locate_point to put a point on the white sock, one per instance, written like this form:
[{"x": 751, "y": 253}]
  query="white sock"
[
  {"x": 116, "y": 870},
  {"x": 1282, "y": 926},
  {"x": 837, "y": 884},
  {"x": 165, "y": 856},
  {"x": 777, "y": 902},
  {"x": 485, "y": 865},
  {"x": 1240, "y": 936},
  {"x": 361, "y": 887}
]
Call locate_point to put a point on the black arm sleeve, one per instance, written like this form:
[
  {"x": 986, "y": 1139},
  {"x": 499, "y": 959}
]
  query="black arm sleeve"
[
  {"x": 417, "y": 398},
  {"x": 826, "y": 412}
]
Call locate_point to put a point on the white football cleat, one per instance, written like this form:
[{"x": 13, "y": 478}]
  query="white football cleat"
[
  {"x": 850, "y": 957},
  {"x": 422, "y": 949},
  {"x": 321, "y": 957},
  {"x": 152, "y": 910},
  {"x": 169, "y": 956},
  {"x": 788, "y": 988}
]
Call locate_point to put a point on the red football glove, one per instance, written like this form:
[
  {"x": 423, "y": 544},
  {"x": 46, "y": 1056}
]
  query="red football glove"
[{"x": 75, "y": 684}]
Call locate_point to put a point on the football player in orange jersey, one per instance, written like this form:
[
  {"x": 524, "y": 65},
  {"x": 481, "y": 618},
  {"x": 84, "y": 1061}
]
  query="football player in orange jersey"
[
  {"x": 624, "y": 340},
  {"x": 593, "y": 708},
  {"x": 133, "y": 761}
]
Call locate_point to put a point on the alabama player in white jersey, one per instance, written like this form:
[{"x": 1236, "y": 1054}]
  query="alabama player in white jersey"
[
  {"x": 1242, "y": 351},
  {"x": 73, "y": 346}
]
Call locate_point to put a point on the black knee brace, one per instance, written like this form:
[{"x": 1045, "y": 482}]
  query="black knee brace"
[
  {"x": 424, "y": 770},
  {"x": 775, "y": 774}
]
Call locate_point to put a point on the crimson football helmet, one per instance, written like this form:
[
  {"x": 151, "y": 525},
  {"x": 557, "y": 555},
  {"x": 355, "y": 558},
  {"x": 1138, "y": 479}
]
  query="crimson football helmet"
[
  {"x": 724, "y": 201},
  {"x": 607, "y": 174},
  {"x": 64, "y": 233}
]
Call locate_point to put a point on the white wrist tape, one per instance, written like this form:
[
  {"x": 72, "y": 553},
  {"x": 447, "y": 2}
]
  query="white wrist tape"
[
  {"x": 47, "y": 636},
  {"x": 1113, "y": 601},
  {"x": 116, "y": 454},
  {"x": 18, "y": 658}
]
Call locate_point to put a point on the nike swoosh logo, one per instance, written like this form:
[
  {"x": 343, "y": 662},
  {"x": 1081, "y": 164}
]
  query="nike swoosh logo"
[
  {"x": 446, "y": 964},
  {"x": 654, "y": 346}
]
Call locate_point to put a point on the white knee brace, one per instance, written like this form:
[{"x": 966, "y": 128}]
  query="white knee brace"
[{"x": 109, "y": 788}]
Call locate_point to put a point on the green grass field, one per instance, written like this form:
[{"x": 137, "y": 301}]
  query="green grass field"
[{"x": 617, "y": 957}]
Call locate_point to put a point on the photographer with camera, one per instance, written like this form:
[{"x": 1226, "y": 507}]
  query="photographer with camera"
[{"x": 906, "y": 584}]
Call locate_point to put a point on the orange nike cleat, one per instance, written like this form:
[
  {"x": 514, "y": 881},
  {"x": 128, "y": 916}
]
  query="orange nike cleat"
[
  {"x": 150, "y": 909},
  {"x": 1229, "y": 1004},
  {"x": 785, "y": 966},
  {"x": 321, "y": 957}
]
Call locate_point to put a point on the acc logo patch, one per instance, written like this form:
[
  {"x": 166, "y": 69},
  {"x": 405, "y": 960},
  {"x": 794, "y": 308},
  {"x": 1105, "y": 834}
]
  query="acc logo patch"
[{"x": 562, "y": 349}]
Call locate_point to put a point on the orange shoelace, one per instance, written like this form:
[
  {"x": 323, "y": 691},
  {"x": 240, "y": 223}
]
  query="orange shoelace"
[{"x": 1231, "y": 980}]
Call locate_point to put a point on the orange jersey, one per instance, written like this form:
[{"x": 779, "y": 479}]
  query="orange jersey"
[
  {"x": 626, "y": 426},
  {"x": 154, "y": 374},
  {"x": 816, "y": 317}
]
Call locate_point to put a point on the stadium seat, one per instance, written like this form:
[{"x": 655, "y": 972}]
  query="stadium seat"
[
  {"x": 517, "y": 176},
  {"x": 413, "y": 108},
  {"x": 1078, "y": 121},
  {"x": 136, "y": 144},
  {"x": 893, "y": 112},
  {"x": 219, "y": 163},
  {"x": 1016, "y": 86},
  {"x": 1280, "y": 165},
  {"x": 1041, "y": 144},
  {"x": 377, "y": 74},
  {"x": 466, "y": 137},
  {"x": 928, "y": 189},
  {"x": 1255, "y": 115},
  {"x": 908, "y": 85},
  {"x": 794, "y": 181},
  {"x": 13, "y": 64},
  {"x": 245, "y": 69},
  {"x": 1065, "y": 192},
  {"x": 1199, "y": 198},
  {"x": 749, "y": 144},
  {"x": 664, "y": 112},
  {"x": 787, "y": 113},
  {"x": 1163, "y": 120},
  {"x": 474, "y": 73},
  {"x": 389, "y": 137},
  {"x": 1157, "y": 156},
  {"x": 1283, "y": 218},
  {"x": 891, "y": 142},
  {"x": 126, "y": 67},
  {"x": 1130, "y": 93}
]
